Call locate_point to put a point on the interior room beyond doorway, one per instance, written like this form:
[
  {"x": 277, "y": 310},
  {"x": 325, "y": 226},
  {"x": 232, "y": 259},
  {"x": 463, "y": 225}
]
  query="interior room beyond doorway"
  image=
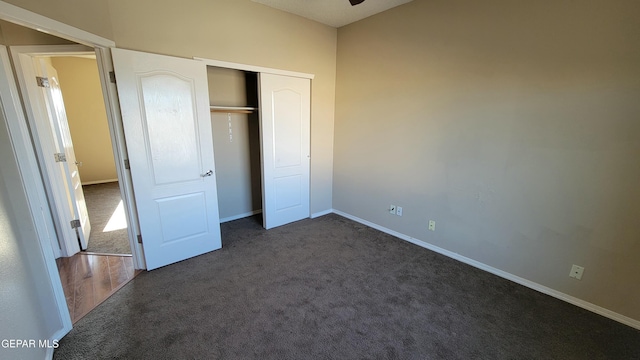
[{"x": 86, "y": 115}]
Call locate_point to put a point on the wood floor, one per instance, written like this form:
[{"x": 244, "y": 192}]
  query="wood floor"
[{"x": 88, "y": 280}]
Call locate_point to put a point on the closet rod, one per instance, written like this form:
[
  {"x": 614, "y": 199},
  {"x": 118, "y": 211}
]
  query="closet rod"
[{"x": 233, "y": 109}]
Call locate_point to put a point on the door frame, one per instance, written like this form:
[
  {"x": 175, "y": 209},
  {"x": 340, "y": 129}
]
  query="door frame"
[
  {"x": 42, "y": 134},
  {"x": 253, "y": 68},
  {"x": 23, "y": 57},
  {"x": 271, "y": 71},
  {"x": 24, "y": 151},
  {"x": 102, "y": 48},
  {"x": 34, "y": 188}
]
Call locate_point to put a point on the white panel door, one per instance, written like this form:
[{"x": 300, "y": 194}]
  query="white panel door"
[
  {"x": 285, "y": 104},
  {"x": 62, "y": 135},
  {"x": 165, "y": 112}
]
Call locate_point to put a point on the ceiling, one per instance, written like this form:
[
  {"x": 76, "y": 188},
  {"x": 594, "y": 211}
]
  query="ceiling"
[{"x": 334, "y": 13}]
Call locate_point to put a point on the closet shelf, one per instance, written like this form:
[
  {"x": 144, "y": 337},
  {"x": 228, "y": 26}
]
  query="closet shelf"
[{"x": 233, "y": 109}]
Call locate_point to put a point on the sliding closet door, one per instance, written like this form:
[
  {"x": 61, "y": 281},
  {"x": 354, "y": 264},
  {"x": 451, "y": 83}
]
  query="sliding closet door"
[
  {"x": 165, "y": 113},
  {"x": 285, "y": 108}
]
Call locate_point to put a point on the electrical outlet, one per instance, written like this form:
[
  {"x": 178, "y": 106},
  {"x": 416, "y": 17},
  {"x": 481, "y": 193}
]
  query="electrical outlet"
[
  {"x": 399, "y": 210},
  {"x": 392, "y": 209},
  {"x": 576, "y": 272},
  {"x": 432, "y": 225}
]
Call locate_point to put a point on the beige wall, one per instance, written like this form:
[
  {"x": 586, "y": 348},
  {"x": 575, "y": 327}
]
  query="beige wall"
[
  {"x": 87, "y": 117},
  {"x": 91, "y": 16},
  {"x": 13, "y": 34},
  {"x": 80, "y": 85},
  {"x": 514, "y": 125},
  {"x": 249, "y": 33},
  {"x": 237, "y": 158},
  {"x": 231, "y": 30}
]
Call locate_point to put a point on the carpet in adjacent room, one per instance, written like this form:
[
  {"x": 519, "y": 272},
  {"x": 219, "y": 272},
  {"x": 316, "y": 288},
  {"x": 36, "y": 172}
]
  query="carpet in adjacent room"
[{"x": 106, "y": 215}]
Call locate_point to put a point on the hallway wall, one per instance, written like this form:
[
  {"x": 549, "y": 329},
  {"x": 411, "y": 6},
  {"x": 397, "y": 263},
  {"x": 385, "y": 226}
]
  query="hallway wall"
[{"x": 87, "y": 117}]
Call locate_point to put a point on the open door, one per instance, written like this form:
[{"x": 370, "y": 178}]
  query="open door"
[
  {"x": 48, "y": 125},
  {"x": 165, "y": 112},
  {"x": 66, "y": 155},
  {"x": 285, "y": 104}
]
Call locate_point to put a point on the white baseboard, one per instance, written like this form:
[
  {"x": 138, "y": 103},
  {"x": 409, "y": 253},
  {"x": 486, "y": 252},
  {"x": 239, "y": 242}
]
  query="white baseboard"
[
  {"x": 240, "y": 216},
  {"x": 56, "y": 337},
  {"x": 503, "y": 274},
  {"x": 321, "y": 213},
  {"x": 99, "y": 182}
]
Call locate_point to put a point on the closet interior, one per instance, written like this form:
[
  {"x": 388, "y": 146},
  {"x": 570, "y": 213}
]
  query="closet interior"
[{"x": 233, "y": 99}]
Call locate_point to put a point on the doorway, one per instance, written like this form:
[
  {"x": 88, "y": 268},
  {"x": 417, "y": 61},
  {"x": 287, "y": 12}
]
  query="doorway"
[
  {"x": 34, "y": 29},
  {"x": 89, "y": 131},
  {"x": 76, "y": 125},
  {"x": 68, "y": 118}
]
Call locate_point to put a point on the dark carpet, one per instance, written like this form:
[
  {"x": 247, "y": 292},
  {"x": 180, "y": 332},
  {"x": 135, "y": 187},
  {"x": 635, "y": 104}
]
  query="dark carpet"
[
  {"x": 330, "y": 288},
  {"x": 102, "y": 201}
]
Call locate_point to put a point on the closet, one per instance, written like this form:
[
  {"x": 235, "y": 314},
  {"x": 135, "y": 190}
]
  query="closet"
[
  {"x": 209, "y": 142},
  {"x": 261, "y": 138},
  {"x": 235, "y": 126}
]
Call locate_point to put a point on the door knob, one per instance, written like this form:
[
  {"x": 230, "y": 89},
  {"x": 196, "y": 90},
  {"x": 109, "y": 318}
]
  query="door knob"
[
  {"x": 208, "y": 173},
  {"x": 78, "y": 163}
]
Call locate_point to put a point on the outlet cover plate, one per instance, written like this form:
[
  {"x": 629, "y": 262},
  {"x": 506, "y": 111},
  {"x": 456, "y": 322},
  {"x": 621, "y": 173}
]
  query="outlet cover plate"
[{"x": 576, "y": 272}]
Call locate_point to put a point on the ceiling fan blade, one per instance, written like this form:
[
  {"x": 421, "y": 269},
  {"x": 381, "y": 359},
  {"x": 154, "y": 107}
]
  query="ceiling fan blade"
[{"x": 355, "y": 2}]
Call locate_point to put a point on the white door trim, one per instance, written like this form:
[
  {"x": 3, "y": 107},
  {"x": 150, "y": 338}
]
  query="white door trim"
[
  {"x": 103, "y": 57},
  {"x": 253, "y": 68},
  {"x": 30, "y": 175},
  {"x": 17, "y": 15},
  {"x": 116, "y": 129},
  {"x": 37, "y": 116}
]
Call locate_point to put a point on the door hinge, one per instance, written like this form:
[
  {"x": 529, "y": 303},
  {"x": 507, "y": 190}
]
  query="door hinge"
[
  {"x": 139, "y": 239},
  {"x": 127, "y": 165},
  {"x": 112, "y": 77},
  {"x": 42, "y": 81},
  {"x": 60, "y": 157},
  {"x": 75, "y": 224}
]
